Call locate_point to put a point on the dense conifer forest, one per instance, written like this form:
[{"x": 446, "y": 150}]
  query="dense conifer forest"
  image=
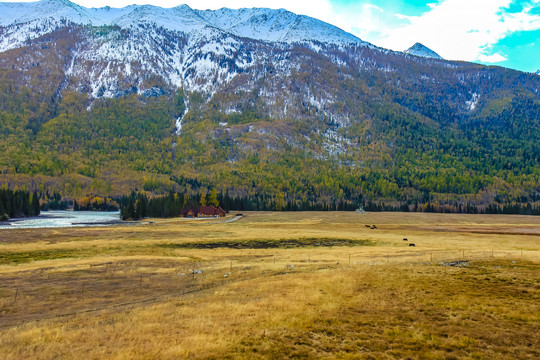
[
  {"x": 126, "y": 144},
  {"x": 138, "y": 206}
]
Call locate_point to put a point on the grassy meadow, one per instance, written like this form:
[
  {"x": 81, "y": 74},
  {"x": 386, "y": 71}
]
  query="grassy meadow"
[{"x": 275, "y": 285}]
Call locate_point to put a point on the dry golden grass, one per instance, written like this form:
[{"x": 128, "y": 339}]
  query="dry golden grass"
[{"x": 129, "y": 292}]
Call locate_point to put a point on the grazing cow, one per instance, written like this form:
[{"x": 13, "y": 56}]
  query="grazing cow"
[
  {"x": 405, "y": 239},
  {"x": 411, "y": 244},
  {"x": 373, "y": 227},
  {"x": 367, "y": 226}
]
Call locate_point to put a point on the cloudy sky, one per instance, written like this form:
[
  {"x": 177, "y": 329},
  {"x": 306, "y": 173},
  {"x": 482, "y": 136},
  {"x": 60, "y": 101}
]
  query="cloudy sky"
[{"x": 499, "y": 32}]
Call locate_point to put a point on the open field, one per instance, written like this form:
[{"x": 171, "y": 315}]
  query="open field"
[{"x": 275, "y": 285}]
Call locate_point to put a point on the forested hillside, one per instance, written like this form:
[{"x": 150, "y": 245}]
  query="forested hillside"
[{"x": 130, "y": 143}]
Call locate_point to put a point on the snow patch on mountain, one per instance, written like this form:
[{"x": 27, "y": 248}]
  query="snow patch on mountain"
[
  {"x": 333, "y": 143},
  {"x": 18, "y": 35},
  {"x": 471, "y": 104},
  {"x": 178, "y": 123},
  {"x": 422, "y": 51}
]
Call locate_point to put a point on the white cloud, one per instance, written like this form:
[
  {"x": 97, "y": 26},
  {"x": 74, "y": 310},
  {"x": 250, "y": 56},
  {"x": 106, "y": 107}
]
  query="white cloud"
[
  {"x": 495, "y": 58},
  {"x": 373, "y": 7},
  {"x": 460, "y": 29}
]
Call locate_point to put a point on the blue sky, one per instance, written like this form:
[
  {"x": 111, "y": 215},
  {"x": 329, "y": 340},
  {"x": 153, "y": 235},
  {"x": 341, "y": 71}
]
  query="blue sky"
[{"x": 492, "y": 32}]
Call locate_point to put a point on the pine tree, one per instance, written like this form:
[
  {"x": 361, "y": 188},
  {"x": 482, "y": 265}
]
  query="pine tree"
[
  {"x": 35, "y": 204},
  {"x": 3, "y": 215},
  {"x": 131, "y": 210},
  {"x": 141, "y": 207}
]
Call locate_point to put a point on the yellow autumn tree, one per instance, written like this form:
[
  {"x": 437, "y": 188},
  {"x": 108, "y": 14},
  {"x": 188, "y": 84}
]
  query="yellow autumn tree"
[
  {"x": 213, "y": 200},
  {"x": 202, "y": 202}
]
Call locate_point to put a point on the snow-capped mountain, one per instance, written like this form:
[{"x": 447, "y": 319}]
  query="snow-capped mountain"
[
  {"x": 259, "y": 24},
  {"x": 422, "y": 51},
  {"x": 192, "y": 49}
]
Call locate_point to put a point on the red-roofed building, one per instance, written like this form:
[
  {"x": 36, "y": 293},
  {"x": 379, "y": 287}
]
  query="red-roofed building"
[{"x": 211, "y": 211}]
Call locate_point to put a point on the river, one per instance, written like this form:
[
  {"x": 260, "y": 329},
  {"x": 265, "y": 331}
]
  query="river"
[{"x": 53, "y": 219}]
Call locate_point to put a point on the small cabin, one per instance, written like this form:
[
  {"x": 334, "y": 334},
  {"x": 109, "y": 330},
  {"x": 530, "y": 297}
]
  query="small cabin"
[
  {"x": 211, "y": 211},
  {"x": 188, "y": 213}
]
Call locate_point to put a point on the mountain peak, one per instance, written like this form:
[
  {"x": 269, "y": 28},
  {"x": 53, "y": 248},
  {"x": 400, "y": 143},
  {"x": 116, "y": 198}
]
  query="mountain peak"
[
  {"x": 422, "y": 51},
  {"x": 61, "y": 2},
  {"x": 58, "y": 4}
]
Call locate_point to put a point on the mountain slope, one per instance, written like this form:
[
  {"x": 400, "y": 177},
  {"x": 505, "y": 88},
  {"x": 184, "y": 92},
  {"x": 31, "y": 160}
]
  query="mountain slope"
[{"x": 254, "y": 101}]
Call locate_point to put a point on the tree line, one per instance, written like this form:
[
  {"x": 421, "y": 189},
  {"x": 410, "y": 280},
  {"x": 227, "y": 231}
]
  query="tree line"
[{"x": 139, "y": 206}]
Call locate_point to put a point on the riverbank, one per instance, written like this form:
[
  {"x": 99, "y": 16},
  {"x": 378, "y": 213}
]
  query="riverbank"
[{"x": 62, "y": 219}]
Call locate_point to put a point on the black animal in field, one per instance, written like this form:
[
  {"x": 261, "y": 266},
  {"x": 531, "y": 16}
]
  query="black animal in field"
[
  {"x": 411, "y": 244},
  {"x": 405, "y": 239}
]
